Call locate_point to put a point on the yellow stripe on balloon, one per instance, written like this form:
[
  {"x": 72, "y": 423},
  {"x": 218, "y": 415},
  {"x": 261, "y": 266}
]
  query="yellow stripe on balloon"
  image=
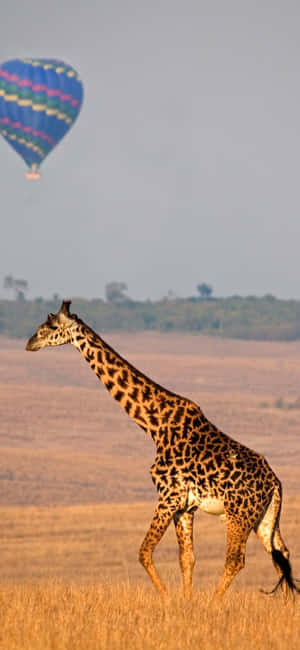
[
  {"x": 51, "y": 66},
  {"x": 8, "y": 98},
  {"x": 29, "y": 145},
  {"x": 36, "y": 107}
]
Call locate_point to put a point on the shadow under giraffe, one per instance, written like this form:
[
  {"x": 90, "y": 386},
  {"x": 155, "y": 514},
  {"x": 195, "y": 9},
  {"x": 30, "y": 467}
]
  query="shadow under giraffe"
[{"x": 196, "y": 465}]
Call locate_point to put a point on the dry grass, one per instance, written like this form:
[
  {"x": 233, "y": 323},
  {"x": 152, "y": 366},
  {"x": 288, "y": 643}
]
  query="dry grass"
[
  {"x": 70, "y": 580},
  {"x": 69, "y": 575},
  {"x": 59, "y": 617},
  {"x": 88, "y": 544}
]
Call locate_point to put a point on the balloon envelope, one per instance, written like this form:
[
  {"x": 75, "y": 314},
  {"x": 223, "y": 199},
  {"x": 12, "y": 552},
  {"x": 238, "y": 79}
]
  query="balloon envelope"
[{"x": 40, "y": 99}]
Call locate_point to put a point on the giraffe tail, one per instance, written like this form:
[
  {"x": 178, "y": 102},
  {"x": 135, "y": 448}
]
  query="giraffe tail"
[
  {"x": 285, "y": 568},
  {"x": 279, "y": 552}
]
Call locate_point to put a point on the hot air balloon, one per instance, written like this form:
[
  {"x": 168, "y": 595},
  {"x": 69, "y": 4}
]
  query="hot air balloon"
[{"x": 40, "y": 99}]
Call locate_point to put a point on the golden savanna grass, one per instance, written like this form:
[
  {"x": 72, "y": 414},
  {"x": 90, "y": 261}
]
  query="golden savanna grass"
[
  {"x": 71, "y": 581},
  {"x": 98, "y": 617},
  {"x": 76, "y": 500}
]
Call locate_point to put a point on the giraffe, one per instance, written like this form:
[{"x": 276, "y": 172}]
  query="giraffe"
[{"x": 196, "y": 465}]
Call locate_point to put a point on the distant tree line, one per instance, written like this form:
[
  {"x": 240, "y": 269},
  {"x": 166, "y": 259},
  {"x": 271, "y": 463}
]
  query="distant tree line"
[
  {"x": 115, "y": 292},
  {"x": 264, "y": 318},
  {"x": 16, "y": 286}
]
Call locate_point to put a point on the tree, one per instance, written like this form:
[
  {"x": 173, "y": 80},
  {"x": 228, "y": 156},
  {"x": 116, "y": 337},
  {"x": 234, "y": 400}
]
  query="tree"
[
  {"x": 114, "y": 292},
  {"x": 9, "y": 283},
  {"x": 205, "y": 290},
  {"x": 17, "y": 285}
]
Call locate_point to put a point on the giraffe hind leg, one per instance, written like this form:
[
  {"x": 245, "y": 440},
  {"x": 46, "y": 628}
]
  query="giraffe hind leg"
[
  {"x": 183, "y": 521},
  {"x": 237, "y": 535}
]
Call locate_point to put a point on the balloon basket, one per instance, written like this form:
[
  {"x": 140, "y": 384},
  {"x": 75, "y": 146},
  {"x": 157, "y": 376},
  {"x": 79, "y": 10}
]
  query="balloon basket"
[{"x": 33, "y": 175}]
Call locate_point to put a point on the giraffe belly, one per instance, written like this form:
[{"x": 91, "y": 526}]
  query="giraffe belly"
[
  {"x": 212, "y": 505},
  {"x": 207, "y": 503}
]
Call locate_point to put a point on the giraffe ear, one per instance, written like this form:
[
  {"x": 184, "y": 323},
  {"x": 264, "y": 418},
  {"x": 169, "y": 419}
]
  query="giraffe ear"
[{"x": 50, "y": 318}]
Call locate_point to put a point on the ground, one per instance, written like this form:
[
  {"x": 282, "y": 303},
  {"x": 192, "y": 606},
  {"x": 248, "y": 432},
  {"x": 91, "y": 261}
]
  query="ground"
[{"x": 76, "y": 498}]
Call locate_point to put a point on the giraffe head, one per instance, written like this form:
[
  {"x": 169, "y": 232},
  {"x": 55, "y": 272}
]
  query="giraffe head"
[{"x": 55, "y": 331}]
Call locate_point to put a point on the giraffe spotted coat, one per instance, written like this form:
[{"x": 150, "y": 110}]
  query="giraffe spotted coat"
[{"x": 196, "y": 464}]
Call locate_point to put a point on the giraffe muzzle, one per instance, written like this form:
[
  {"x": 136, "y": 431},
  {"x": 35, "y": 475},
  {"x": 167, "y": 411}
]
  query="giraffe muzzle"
[{"x": 32, "y": 344}]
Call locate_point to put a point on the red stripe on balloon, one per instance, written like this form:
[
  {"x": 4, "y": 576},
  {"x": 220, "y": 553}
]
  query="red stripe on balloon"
[
  {"x": 27, "y": 129},
  {"x": 51, "y": 92}
]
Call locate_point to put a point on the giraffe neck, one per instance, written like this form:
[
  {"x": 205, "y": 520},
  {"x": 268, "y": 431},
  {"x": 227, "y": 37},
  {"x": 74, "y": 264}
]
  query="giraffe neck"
[{"x": 146, "y": 402}]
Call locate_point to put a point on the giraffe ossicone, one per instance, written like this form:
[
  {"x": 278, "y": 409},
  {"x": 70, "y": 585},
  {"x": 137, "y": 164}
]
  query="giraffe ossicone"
[{"x": 196, "y": 465}]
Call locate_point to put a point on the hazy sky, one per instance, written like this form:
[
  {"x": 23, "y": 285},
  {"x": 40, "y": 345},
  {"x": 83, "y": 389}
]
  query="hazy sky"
[{"x": 183, "y": 166}]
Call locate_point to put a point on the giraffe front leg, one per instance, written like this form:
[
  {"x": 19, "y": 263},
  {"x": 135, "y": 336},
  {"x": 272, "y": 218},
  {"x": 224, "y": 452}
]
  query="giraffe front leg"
[
  {"x": 161, "y": 519},
  {"x": 184, "y": 531}
]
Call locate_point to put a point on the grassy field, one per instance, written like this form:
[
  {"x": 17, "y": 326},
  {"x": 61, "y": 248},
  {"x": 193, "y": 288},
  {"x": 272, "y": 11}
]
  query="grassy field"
[
  {"x": 70, "y": 580},
  {"x": 102, "y": 617},
  {"x": 76, "y": 500},
  {"x": 100, "y": 543}
]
